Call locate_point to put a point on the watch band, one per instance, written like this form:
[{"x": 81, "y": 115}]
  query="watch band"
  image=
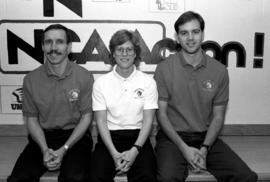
[
  {"x": 206, "y": 146},
  {"x": 139, "y": 148}
]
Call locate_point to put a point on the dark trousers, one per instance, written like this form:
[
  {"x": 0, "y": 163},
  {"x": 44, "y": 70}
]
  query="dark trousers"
[
  {"x": 102, "y": 164},
  {"x": 75, "y": 165},
  {"x": 221, "y": 161}
]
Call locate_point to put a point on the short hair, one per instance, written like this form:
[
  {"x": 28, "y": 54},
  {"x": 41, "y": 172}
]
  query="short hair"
[
  {"x": 119, "y": 38},
  {"x": 186, "y": 17},
  {"x": 57, "y": 27}
]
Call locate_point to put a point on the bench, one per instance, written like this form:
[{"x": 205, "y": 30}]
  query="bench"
[{"x": 250, "y": 142}]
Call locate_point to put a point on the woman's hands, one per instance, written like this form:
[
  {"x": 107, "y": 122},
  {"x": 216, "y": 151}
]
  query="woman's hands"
[{"x": 123, "y": 161}]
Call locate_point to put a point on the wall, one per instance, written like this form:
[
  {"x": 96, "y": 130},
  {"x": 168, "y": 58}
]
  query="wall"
[{"x": 237, "y": 34}]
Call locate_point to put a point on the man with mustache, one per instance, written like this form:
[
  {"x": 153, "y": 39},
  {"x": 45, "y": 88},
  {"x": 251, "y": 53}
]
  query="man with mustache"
[{"x": 57, "y": 112}]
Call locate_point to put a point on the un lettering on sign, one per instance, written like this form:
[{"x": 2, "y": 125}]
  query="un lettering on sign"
[{"x": 11, "y": 99}]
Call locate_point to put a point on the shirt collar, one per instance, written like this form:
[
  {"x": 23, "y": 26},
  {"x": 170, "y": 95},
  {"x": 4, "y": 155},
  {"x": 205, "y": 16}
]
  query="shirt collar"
[
  {"x": 66, "y": 73},
  {"x": 183, "y": 61},
  {"x": 122, "y": 78}
]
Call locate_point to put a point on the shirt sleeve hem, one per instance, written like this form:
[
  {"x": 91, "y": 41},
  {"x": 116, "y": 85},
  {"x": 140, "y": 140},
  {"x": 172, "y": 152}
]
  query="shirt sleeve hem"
[
  {"x": 163, "y": 99},
  {"x": 99, "y": 109},
  {"x": 29, "y": 114},
  {"x": 86, "y": 111},
  {"x": 221, "y": 103},
  {"x": 151, "y": 107}
]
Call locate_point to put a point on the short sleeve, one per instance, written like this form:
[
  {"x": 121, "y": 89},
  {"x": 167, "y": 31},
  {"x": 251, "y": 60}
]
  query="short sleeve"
[
  {"x": 29, "y": 108},
  {"x": 222, "y": 96},
  {"x": 86, "y": 95},
  {"x": 98, "y": 99},
  {"x": 159, "y": 77},
  {"x": 151, "y": 95}
]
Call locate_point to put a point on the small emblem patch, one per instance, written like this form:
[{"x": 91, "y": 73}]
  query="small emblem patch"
[
  {"x": 208, "y": 85},
  {"x": 138, "y": 93},
  {"x": 73, "y": 95}
]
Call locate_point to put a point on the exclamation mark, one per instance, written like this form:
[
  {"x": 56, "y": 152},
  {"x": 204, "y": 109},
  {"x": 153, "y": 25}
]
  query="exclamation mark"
[{"x": 258, "y": 50}]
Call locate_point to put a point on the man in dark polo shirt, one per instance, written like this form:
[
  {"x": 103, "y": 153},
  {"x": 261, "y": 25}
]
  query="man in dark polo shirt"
[
  {"x": 193, "y": 94},
  {"x": 57, "y": 112}
]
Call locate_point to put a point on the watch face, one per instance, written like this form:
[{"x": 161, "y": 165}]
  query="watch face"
[{"x": 66, "y": 147}]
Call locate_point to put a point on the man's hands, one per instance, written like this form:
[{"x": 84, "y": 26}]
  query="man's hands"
[
  {"x": 196, "y": 158},
  {"x": 123, "y": 161},
  {"x": 52, "y": 159}
]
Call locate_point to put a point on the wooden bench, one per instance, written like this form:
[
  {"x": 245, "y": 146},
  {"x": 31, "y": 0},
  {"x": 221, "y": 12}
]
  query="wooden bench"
[{"x": 251, "y": 142}]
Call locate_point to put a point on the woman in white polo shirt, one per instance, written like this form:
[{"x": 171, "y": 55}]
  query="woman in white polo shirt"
[{"x": 124, "y": 101}]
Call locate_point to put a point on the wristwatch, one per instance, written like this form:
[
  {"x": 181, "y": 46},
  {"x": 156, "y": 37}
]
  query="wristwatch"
[
  {"x": 66, "y": 147},
  {"x": 139, "y": 148},
  {"x": 206, "y": 146}
]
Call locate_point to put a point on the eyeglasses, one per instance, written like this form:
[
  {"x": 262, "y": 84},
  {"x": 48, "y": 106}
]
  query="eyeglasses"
[{"x": 120, "y": 51}]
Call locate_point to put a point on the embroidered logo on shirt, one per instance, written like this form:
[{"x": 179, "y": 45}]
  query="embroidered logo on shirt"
[
  {"x": 138, "y": 93},
  {"x": 208, "y": 85},
  {"x": 73, "y": 95}
]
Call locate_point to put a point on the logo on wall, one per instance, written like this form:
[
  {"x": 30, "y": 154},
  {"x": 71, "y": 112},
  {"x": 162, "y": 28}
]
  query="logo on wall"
[
  {"x": 21, "y": 45},
  {"x": 16, "y": 97},
  {"x": 11, "y": 97},
  {"x": 21, "y": 40},
  {"x": 22, "y": 50},
  {"x": 172, "y": 6}
]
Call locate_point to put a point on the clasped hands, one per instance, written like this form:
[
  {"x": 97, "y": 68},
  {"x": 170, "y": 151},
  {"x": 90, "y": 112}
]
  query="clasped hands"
[
  {"x": 52, "y": 158},
  {"x": 123, "y": 161},
  {"x": 196, "y": 159}
]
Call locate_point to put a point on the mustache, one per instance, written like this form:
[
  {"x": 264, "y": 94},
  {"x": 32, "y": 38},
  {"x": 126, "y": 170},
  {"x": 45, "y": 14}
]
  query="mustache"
[{"x": 54, "y": 52}]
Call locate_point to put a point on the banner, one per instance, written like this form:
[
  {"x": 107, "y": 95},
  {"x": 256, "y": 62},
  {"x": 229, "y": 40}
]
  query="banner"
[{"x": 236, "y": 34}]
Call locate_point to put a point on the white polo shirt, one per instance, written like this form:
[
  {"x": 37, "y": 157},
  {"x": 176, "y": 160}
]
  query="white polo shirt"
[{"x": 124, "y": 99}]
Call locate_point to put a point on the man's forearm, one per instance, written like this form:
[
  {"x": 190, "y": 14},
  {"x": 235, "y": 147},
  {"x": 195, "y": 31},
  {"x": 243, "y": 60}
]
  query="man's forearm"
[
  {"x": 213, "y": 132},
  {"x": 80, "y": 129},
  {"x": 168, "y": 129},
  {"x": 216, "y": 125},
  {"x": 36, "y": 132}
]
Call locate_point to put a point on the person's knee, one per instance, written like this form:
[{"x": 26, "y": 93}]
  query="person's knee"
[
  {"x": 93, "y": 178},
  {"x": 170, "y": 177},
  {"x": 72, "y": 178},
  {"x": 12, "y": 179},
  {"x": 246, "y": 176},
  {"x": 148, "y": 176},
  {"x": 252, "y": 177},
  {"x": 21, "y": 179}
]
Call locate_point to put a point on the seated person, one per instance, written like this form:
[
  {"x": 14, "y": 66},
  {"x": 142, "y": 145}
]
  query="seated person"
[
  {"x": 57, "y": 108},
  {"x": 124, "y": 103}
]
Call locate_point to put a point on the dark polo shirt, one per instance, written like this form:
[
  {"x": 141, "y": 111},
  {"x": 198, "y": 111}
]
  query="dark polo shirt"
[
  {"x": 57, "y": 102},
  {"x": 191, "y": 92}
]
